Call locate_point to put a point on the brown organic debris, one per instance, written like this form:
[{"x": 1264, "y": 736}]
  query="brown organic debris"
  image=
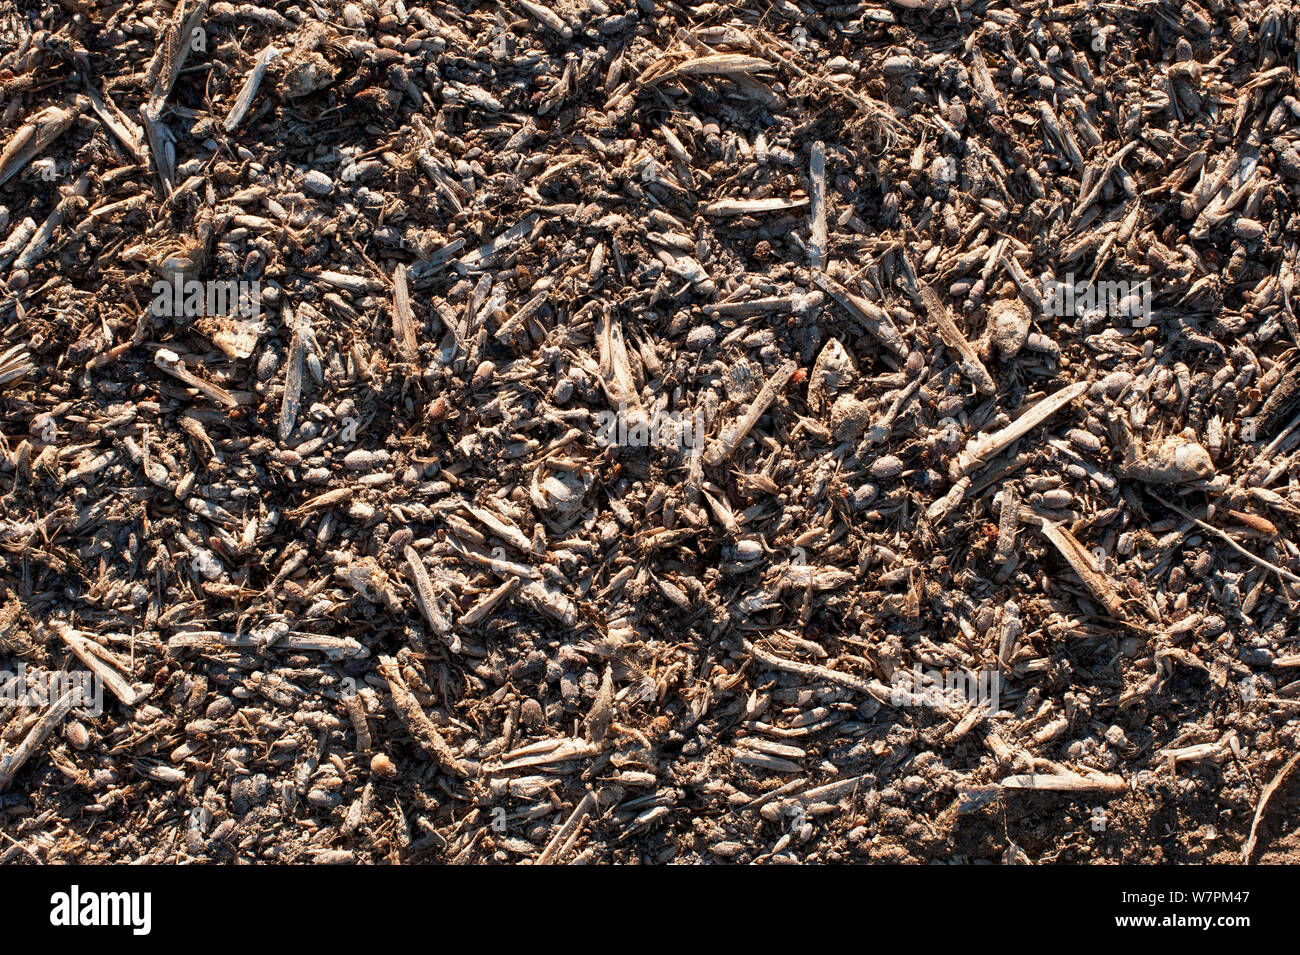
[{"x": 563, "y": 431}]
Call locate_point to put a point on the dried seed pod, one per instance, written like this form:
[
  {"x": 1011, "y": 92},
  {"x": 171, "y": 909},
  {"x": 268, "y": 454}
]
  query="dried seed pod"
[
  {"x": 77, "y": 735},
  {"x": 1009, "y": 326},
  {"x": 561, "y": 492},
  {"x": 831, "y": 371},
  {"x": 849, "y": 418},
  {"x": 886, "y": 466},
  {"x": 1085, "y": 440},
  {"x": 483, "y": 374},
  {"x": 33, "y": 137},
  {"x": 1177, "y": 459}
]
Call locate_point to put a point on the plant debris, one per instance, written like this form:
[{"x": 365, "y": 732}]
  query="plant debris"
[{"x": 587, "y": 432}]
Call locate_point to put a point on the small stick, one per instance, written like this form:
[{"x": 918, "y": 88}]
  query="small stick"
[
  {"x": 873, "y": 688},
  {"x": 729, "y": 440},
  {"x": 954, "y": 338},
  {"x": 88, "y": 652},
  {"x": 1264, "y": 797},
  {"x": 419, "y": 725},
  {"x": 1082, "y": 561},
  {"x": 1220, "y": 534},
  {"x": 817, "y": 239},
  {"x": 1100, "y": 183},
  {"x": 292, "y": 398},
  {"x": 15, "y": 365},
  {"x": 119, "y": 124},
  {"x": 747, "y": 207},
  {"x": 428, "y": 600},
  {"x": 404, "y": 317},
  {"x": 246, "y": 93},
  {"x": 1066, "y": 783},
  {"x": 13, "y": 761},
  {"x": 868, "y": 315},
  {"x": 550, "y": 853},
  {"x": 979, "y": 450},
  {"x": 170, "y": 362}
]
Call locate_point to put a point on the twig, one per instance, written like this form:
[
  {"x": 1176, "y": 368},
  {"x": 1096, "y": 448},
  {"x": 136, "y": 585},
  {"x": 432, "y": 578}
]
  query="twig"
[
  {"x": 1220, "y": 534},
  {"x": 1264, "y": 797},
  {"x": 817, "y": 238},
  {"x": 13, "y": 761},
  {"x": 552, "y": 851}
]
